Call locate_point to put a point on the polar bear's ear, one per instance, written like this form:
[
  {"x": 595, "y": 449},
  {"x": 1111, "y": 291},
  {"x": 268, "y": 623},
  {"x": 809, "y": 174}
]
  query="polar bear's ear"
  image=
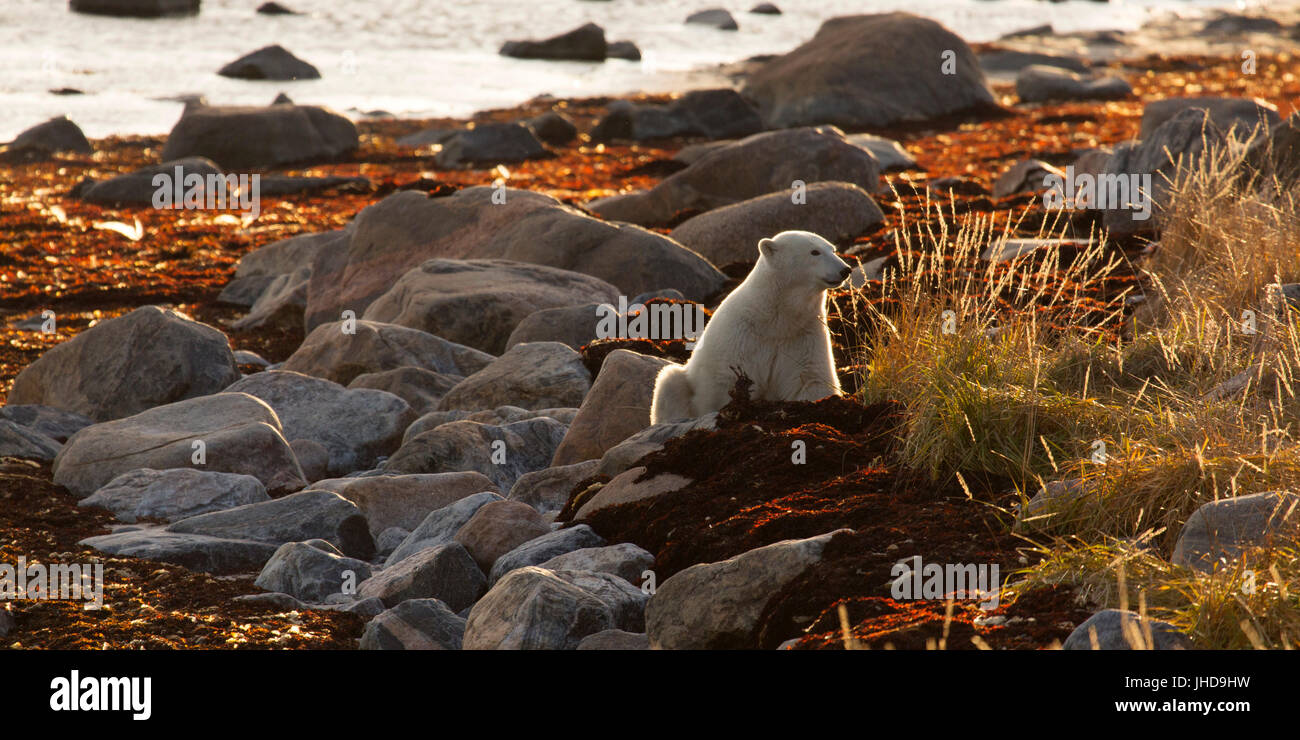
[{"x": 766, "y": 247}]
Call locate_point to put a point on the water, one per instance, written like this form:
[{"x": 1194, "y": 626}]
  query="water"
[{"x": 423, "y": 58}]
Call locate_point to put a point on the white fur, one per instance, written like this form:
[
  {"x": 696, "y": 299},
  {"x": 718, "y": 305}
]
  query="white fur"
[{"x": 772, "y": 327}]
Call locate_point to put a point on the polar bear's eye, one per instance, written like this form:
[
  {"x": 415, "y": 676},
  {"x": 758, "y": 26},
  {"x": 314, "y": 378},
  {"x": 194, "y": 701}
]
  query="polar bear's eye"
[{"x": 817, "y": 253}]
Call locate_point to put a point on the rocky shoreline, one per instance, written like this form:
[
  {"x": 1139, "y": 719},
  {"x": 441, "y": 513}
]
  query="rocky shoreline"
[{"x": 380, "y": 412}]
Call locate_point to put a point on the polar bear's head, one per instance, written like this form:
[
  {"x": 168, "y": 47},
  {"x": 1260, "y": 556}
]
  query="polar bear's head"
[{"x": 805, "y": 257}]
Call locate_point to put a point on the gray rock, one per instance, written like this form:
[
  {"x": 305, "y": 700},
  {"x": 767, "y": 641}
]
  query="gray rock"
[
  {"x": 283, "y": 602},
  {"x": 135, "y": 8},
  {"x": 416, "y": 624},
  {"x": 584, "y": 43},
  {"x": 1037, "y": 83},
  {"x": 837, "y": 211},
  {"x": 26, "y": 443},
  {"x": 623, "y": 50},
  {"x": 137, "y": 187},
  {"x": 421, "y": 389},
  {"x": 573, "y": 326},
  {"x": 55, "y": 135},
  {"x": 535, "y": 609},
  {"x": 295, "y": 518},
  {"x": 126, "y": 365},
  {"x": 716, "y": 114},
  {"x": 553, "y": 127},
  {"x": 716, "y": 606},
  {"x": 389, "y": 539},
  {"x": 1013, "y": 60},
  {"x": 624, "y": 488},
  {"x": 1124, "y": 630},
  {"x": 497, "y": 528},
  {"x": 375, "y": 347},
  {"x": 310, "y": 574},
  {"x": 281, "y": 303},
  {"x": 244, "y": 357},
  {"x": 492, "y": 417},
  {"x": 235, "y": 432},
  {"x": 625, "y": 560},
  {"x": 49, "y": 421},
  {"x": 440, "y": 526},
  {"x": 546, "y": 547},
  {"x": 270, "y": 63},
  {"x": 174, "y": 494},
  {"x": 615, "y": 640},
  {"x": 870, "y": 71},
  {"x": 313, "y": 458},
  {"x": 536, "y": 375},
  {"x": 547, "y": 490},
  {"x": 765, "y": 9},
  {"x": 479, "y": 302},
  {"x": 502, "y": 453},
  {"x": 446, "y": 572},
  {"x": 489, "y": 144},
  {"x": 1027, "y": 175},
  {"x": 202, "y": 553},
  {"x": 1221, "y": 530},
  {"x": 616, "y": 407},
  {"x": 623, "y": 455},
  {"x": 717, "y": 18},
  {"x": 404, "y": 501},
  {"x": 1245, "y": 115},
  {"x": 259, "y": 268},
  {"x": 356, "y": 426},
  {"x": 245, "y": 138},
  {"x": 889, "y": 153}
]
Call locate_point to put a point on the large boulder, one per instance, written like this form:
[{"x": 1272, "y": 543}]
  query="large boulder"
[
  {"x": 296, "y": 518},
  {"x": 541, "y": 549},
  {"x": 137, "y": 187},
  {"x": 175, "y": 494},
  {"x": 225, "y": 433},
  {"x": 332, "y": 353},
  {"x": 1039, "y": 82},
  {"x": 536, "y": 375},
  {"x": 547, "y": 490},
  {"x": 502, "y": 453},
  {"x": 716, "y": 606},
  {"x": 489, "y": 144},
  {"x": 445, "y": 572},
  {"x": 55, "y": 423},
  {"x": 55, "y": 135},
  {"x": 270, "y": 63},
  {"x": 26, "y": 443},
  {"x": 1114, "y": 629},
  {"x": 126, "y": 365},
  {"x": 408, "y": 228},
  {"x": 243, "y": 138},
  {"x": 715, "y": 114},
  {"x": 218, "y": 555},
  {"x": 417, "y": 624},
  {"x": 871, "y": 71},
  {"x": 1277, "y": 157},
  {"x": 498, "y": 528},
  {"x": 584, "y": 43},
  {"x": 535, "y": 609},
  {"x": 256, "y": 270},
  {"x": 421, "y": 389},
  {"x": 616, "y": 407},
  {"x": 835, "y": 210},
  {"x": 478, "y": 303},
  {"x": 757, "y": 165},
  {"x": 625, "y": 560},
  {"x": 356, "y": 426},
  {"x": 1245, "y": 115},
  {"x": 405, "y": 500},
  {"x": 440, "y": 526},
  {"x": 573, "y": 326},
  {"x": 310, "y": 573},
  {"x": 135, "y": 8},
  {"x": 1220, "y": 531}
]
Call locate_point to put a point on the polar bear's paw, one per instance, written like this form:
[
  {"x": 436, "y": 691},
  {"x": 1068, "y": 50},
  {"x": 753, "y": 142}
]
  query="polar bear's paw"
[{"x": 673, "y": 395}]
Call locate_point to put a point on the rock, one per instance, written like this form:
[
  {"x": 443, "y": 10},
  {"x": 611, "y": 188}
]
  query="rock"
[
  {"x": 492, "y": 417},
  {"x": 999, "y": 60},
  {"x": 446, "y": 572},
  {"x": 547, "y": 490},
  {"x": 389, "y": 539},
  {"x": 310, "y": 574},
  {"x": 535, "y": 609},
  {"x": 1025, "y": 176},
  {"x": 621, "y": 456},
  {"x": 546, "y": 547},
  {"x": 440, "y": 526},
  {"x": 356, "y": 426},
  {"x": 717, "y": 114},
  {"x": 1167, "y": 155},
  {"x": 624, "y": 488},
  {"x": 256, "y": 270},
  {"x": 835, "y": 210},
  {"x": 490, "y": 144},
  {"x": 245, "y": 358},
  {"x": 623, "y": 50},
  {"x": 313, "y": 458},
  {"x": 537, "y": 375},
  {"x": 427, "y": 137},
  {"x": 553, "y": 127},
  {"x": 871, "y": 71},
  {"x": 375, "y": 347},
  {"x": 138, "y": 188},
  {"x": 283, "y": 602},
  {"x": 293, "y": 185},
  {"x": 1220, "y": 531},
  {"x": 1122, "y": 630},
  {"x": 616, "y": 639},
  {"x": 238, "y": 434},
  {"x": 754, "y": 166},
  {"x": 421, "y": 389},
  {"x": 49, "y": 421},
  {"x": 617, "y": 407},
  {"x": 1092, "y": 161},
  {"x": 478, "y": 303},
  {"x": 26, "y": 443},
  {"x": 625, "y": 560},
  {"x": 408, "y": 228},
  {"x": 1277, "y": 157},
  {"x": 404, "y": 501},
  {"x": 888, "y": 153},
  {"x": 301, "y": 516},
  {"x": 417, "y": 624},
  {"x": 135, "y": 8},
  {"x": 1037, "y": 83},
  {"x": 717, "y": 18},
  {"x": 201, "y": 553},
  {"x": 1245, "y": 115},
  {"x": 174, "y": 494},
  {"x": 246, "y": 138},
  {"x": 1232, "y": 23},
  {"x": 573, "y": 326},
  {"x": 499, "y": 527},
  {"x": 55, "y": 135},
  {"x": 270, "y": 63},
  {"x": 765, "y": 9},
  {"x": 1054, "y": 496},
  {"x": 716, "y": 606},
  {"x": 584, "y": 43},
  {"x": 275, "y": 9}
]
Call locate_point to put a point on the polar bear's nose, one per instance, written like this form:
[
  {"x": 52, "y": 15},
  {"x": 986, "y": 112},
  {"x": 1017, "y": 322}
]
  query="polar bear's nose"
[{"x": 845, "y": 272}]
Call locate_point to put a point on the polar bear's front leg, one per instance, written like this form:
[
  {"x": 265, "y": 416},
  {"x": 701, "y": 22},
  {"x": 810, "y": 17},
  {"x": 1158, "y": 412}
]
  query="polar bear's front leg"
[{"x": 817, "y": 377}]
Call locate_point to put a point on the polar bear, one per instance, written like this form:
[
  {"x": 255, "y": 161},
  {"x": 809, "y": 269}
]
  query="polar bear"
[{"x": 772, "y": 327}]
